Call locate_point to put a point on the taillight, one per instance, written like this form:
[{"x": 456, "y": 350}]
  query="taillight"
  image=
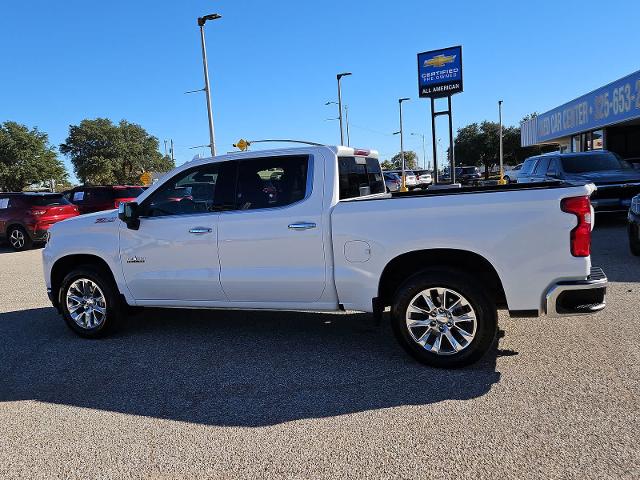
[{"x": 581, "y": 234}]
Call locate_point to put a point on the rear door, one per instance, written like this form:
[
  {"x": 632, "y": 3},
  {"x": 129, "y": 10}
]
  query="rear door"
[{"x": 271, "y": 246}]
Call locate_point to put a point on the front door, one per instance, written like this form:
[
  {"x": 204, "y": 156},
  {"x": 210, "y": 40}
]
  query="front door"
[
  {"x": 173, "y": 255},
  {"x": 271, "y": 245}
]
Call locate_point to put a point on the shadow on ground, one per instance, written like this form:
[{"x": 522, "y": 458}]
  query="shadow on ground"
[{"x": 225, "y": 368}]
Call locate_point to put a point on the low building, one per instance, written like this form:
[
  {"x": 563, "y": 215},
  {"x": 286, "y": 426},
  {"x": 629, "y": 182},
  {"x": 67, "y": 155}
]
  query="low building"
[{"x": 608, "y": 117}]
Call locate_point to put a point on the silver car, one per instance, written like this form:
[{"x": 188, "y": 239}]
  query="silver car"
[{"x": 410, "y": 178}]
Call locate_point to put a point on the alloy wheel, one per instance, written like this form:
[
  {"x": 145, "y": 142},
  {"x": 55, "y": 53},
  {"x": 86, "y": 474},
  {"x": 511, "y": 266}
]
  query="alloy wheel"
[
  {"x": 86, "y": 303},
  {"x": 17, "y": 239},
  {"x": 441, "y": 320}
]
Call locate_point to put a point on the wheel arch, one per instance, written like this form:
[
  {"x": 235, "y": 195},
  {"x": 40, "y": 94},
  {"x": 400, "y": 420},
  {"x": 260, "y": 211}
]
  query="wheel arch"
[
  {"x": 65, "y": 264},
  {"x": 408, "y": 264}
]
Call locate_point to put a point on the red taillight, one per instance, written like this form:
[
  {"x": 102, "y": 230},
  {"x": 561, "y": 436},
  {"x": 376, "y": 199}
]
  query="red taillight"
[{"x": 581, "y": 234}]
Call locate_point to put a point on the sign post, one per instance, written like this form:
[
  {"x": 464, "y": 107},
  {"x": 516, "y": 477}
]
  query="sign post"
[{"x": 439, "y": 76}]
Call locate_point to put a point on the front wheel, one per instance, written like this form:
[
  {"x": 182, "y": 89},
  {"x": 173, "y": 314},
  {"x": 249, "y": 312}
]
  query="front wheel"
[
  {"x": 90, "y": 302},
  {"x": 443, "y": 318}
]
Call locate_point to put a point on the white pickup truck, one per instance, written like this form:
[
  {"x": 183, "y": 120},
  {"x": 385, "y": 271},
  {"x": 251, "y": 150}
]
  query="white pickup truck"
[{"x": 313, "y": 229}]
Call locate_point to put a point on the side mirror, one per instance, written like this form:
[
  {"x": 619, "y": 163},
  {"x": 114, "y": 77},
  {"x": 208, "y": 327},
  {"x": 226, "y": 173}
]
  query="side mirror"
[
  {"x": 129, "y": 213},
  {"x": 553, "y": 175}
]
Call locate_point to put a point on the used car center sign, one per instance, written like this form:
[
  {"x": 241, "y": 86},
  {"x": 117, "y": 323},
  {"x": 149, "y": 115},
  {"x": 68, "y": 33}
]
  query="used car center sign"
[
  {"x": 614, "y": 103},
  {"x": 440, "y": 72}
]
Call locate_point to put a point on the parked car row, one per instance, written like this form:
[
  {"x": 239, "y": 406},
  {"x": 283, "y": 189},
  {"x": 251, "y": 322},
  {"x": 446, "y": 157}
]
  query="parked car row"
[
  {"x": 616, "y": 180},
  {"x": 414, "y": 179},
  {"x": 25, "y": 217}
]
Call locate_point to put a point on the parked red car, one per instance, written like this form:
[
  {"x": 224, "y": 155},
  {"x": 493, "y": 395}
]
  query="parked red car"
[
  {"x": 26, "y": 217},
  {"x": 91, "y": 199}
]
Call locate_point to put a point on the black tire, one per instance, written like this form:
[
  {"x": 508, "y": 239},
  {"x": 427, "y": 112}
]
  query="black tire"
[
  {"x": 475, "y": 295},
  {"x": 105, "y": 283},
  {"x": 23, "y": 240}
]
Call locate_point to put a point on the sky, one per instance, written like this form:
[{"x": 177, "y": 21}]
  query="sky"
[{"x": 273, "y": 65}]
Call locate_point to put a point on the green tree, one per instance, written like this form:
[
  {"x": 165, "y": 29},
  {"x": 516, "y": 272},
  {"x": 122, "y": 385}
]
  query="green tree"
[
  {"x": 104, "y": 153},
  {"x": 479, "y": 144},
  {"x": 410, "y": 160},
  {"x": 26, "y": 157},
  {"x": 387, "y": 165}
]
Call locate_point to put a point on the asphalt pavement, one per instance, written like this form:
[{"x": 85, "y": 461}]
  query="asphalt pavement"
[{"x": 214, "y": 394}]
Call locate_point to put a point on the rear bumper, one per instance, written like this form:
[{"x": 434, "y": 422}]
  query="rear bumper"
[{"x": 578, "y": 297}]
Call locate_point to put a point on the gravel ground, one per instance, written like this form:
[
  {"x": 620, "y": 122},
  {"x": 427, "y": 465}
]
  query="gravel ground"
[{"x": 182, "y": 394}]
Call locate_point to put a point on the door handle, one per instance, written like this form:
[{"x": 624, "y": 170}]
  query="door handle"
[
  {"x": 200, "y": 230},
  {"x": 302, "y": 225}
]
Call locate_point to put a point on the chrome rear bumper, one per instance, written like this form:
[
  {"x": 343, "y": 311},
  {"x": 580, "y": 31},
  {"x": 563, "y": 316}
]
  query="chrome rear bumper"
[{"x": 577, "y": 297}]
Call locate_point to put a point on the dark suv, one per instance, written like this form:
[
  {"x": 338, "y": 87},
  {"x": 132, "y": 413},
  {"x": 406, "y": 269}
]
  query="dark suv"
[
  {"x": 91, "y": 199},
  {"x": 26, "y": 217},
  {"x": 616, "y": 180}
]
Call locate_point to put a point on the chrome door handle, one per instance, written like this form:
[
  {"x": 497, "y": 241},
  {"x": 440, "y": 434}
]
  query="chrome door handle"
[
  {"x": 200, "y": 230},
  {"x": 302, "y": 226}
]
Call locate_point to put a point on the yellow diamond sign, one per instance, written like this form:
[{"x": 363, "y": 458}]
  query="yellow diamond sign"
[
  {"x": 242, "y": 144},
  {"x": 146, "y": 179}
]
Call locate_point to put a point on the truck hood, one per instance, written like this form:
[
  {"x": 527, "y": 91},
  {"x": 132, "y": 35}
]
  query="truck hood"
[{"x": 605, "y": 177}]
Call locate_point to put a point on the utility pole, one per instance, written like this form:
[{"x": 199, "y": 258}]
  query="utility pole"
[
  {"x": 207, "y": 88},
  {"x": 165, "y": 148},
  {"x": 346, "y": 118},
  {"x": 424, "y": 151},
  {"x": 172, "y": 157},
  {"x": 339, "y": 78},
  {"x": 501, "y": 181},
  {"x": 403, "y": 188}
]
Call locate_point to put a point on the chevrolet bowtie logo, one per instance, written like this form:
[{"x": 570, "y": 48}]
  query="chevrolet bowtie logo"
[{"x": 439, "y": 60}]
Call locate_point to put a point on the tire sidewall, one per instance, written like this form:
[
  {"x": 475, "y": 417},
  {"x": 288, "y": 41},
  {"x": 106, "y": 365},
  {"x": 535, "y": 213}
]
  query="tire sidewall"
[
  {"x": 111, "y": 299},
  {"x": 486, "y": 316}
]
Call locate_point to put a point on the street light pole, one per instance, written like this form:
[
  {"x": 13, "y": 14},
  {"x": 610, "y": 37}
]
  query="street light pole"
[
  {"x": 424, "y": 151},
  {"x": 339, "y": 78},
  {"x": 207, "y": 89},
  {"x": 501, "y": 181},
  {"x": 346, "y": 119},
  {"x": 403, "y": 188}
]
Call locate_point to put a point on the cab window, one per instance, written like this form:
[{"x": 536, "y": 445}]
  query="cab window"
[
  {"x": 271, "y": 182},
  {"x": 196, "y": 190}
]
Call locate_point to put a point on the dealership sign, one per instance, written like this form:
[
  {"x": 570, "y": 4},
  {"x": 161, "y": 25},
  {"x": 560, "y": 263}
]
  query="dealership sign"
[
  {"x": 614, "y": 103},
  {"x": 440, "y": 72}
]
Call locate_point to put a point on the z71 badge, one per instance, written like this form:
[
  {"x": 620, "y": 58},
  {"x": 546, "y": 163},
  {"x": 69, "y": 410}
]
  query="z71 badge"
[{"x": 135, "y": 259}]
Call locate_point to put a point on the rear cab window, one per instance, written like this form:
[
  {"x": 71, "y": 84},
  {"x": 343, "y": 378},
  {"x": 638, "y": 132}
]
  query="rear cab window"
[{"x": 359, "y": 177}]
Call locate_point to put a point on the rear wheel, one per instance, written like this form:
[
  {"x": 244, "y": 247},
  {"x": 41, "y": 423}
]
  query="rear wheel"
[
  {"x": 19, "y": 239},
  {"x": 443, "y": 318},
  {"x": 90, "y": 302}
]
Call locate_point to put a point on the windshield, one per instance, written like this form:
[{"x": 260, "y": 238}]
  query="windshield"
[
  {"x": 47, "y": 200},
  {"x": 593, "y": 163}
]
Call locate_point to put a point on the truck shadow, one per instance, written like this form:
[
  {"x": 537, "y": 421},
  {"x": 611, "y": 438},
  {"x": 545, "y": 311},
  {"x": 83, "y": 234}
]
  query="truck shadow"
[{"x": 226, "y": 368}]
